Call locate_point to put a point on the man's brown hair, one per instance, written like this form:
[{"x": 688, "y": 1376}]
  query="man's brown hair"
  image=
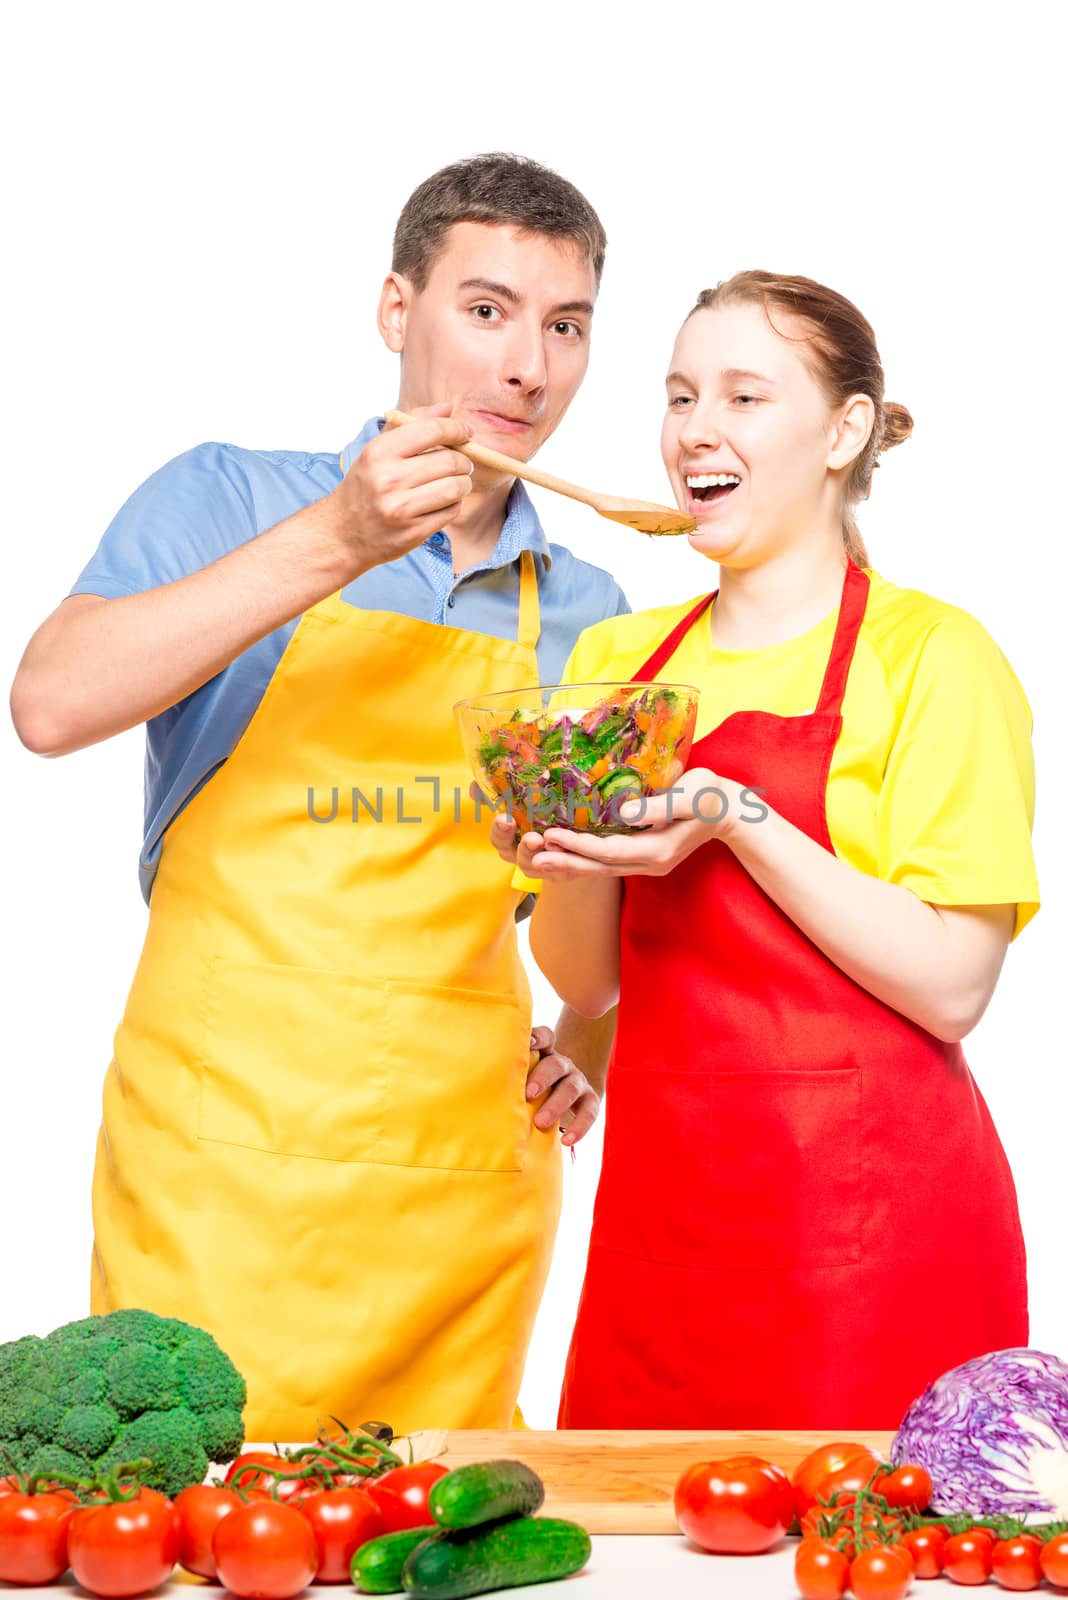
[{"x": 496, "y": 188}]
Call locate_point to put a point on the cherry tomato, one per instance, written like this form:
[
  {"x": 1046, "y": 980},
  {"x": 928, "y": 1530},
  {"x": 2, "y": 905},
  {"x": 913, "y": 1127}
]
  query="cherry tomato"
[
  {"x": 341, "y": 1520},
  {"x": 908, "y": 1486},
  {"x": 820, "y": 1571},
  {"x": 252, "y": 1474},
  {"x": 33, "y": 1537},
  {"x": 879, "y": 1573},
  {"x": 124, "y": 1547},
  {"x": 265, "y": 1551},
  {"x": 904, "y": 1554},
  {"x": 401, "y": 1495},
  {"x": 739, "y": 1506},
  {"x": 926, "y": 1545},
  {"x": 200, "y": 1510},
  {"x": 1016, "y": 1563},
  {"x": 966, "y": 1556},
  {"x": 875, "y": 1527},
  {"x": 809, "y": 1475},
  {"x": 262, "y": 1478},
  {"x": 1054, "y": 1560}
]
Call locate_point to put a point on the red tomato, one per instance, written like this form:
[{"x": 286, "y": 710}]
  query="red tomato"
[
  {"x": 200, "y": 1510},
  {"x": 785, "y": 1487},
  {"x": 1016, "y": 1563},
  {"x": 848, "y": 1479},
  {"x": 879, "y": 1574},
  {"x": 736, "y": 1507},
  {"x": 252, "y": 1474},
  {"x": 265, "y": 1551},
  {"x": 264, "y": 1460},
  {"x": 1054, "y": 1560},
  {"x": 908, "y": 1486},
  {"x": 904, "y": 1554},
  {"x": 875, "y": 1527},
  {"x": 341, "y": 1520},
  {"x": 33, "y": 1537},
  {"x": 926, "y": 1545},
  {"x": 966, "y": 1556},
  {"x": 809, "y": 1475},
  {"x": 820, "y": 1571},
  {"x": 401, "y": 1495},
  {"x": 124, "y": 1547}
]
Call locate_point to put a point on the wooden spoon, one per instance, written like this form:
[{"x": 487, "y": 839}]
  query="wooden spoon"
[{"x": 644, "y": 515}]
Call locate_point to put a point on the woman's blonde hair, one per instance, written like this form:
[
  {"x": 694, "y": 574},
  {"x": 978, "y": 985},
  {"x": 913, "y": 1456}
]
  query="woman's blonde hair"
[{"x": 843, "y": 359}]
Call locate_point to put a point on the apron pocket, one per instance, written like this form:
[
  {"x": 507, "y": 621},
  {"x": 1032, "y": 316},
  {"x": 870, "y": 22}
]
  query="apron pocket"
[
  {"x": 750, "y": 1169},
  {"x": 307, "y": 1062}
]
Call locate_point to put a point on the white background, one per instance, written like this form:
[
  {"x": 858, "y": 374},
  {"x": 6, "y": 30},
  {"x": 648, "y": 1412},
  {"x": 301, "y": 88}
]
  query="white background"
[{"x": 199, "y": 202}]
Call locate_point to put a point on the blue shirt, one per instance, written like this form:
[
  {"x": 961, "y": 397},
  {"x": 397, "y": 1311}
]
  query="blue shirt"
[{"x": 216, "y": 497}]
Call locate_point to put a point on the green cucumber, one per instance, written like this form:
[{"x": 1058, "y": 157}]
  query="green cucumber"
[
  {"x": 616, "y": 782},
  {"x": 611, "y": 731},
  {"x": 484, "y": 1492},
  {"x": 378, "y": 1564},
  {"x": 577, "y": 747},
  {"x": 501, "y": 1555}
]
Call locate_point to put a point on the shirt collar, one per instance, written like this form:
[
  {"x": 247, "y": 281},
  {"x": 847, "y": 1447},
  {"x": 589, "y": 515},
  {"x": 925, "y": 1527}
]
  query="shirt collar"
[{"x": 522, "y": 528}]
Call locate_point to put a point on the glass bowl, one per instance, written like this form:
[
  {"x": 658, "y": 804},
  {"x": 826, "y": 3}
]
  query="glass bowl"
[{"x": 569, "y": 755}]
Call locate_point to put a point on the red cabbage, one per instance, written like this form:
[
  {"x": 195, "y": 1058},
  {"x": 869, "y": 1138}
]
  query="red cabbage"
[{"x": 993, "y": 1434}]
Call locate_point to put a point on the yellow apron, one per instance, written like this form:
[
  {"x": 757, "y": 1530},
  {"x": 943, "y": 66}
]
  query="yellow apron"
[{"x": 316, "y": 1141}]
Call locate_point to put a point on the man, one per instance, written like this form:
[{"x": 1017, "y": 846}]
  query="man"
[{"x": 318, "y": 1140}]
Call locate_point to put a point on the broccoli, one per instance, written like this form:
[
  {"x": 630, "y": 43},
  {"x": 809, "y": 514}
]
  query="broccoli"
[{"x": 117, "y": 1388}]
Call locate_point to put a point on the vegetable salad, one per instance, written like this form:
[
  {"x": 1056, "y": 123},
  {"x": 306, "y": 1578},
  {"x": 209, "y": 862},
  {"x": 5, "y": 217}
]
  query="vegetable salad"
[{"x": 574, "y": 768}]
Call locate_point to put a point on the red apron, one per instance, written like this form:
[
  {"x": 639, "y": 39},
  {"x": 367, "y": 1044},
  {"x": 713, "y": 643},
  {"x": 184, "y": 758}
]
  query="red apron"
[{"x": 804, "y": 1213}]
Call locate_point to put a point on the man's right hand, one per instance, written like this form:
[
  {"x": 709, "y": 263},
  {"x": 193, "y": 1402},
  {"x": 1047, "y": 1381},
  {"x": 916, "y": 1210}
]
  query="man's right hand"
[
  {"x": 97, "y": 666},
  {"x": 521, "y": 850},
  {"x": 403, "y": 486}
]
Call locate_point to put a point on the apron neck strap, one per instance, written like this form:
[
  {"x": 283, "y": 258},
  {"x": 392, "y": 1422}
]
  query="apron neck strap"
[
  {"x": 850, "y": 616},
  {"x": 663, "y": 653},
  {"x": 854, "y": 601},
  {"x": 529, "y": 610},
  {"x": 529, "y": 628}
]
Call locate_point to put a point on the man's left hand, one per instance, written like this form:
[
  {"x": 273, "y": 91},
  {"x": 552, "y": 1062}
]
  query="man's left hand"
[{"x": 572, "y": 1102}]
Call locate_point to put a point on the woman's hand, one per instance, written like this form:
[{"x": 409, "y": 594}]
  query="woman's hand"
[{"x": 700, "y": 807}]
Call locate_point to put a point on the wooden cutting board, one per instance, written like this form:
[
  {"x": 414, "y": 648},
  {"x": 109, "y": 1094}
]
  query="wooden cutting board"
[{"x": 623, "y": 1481}]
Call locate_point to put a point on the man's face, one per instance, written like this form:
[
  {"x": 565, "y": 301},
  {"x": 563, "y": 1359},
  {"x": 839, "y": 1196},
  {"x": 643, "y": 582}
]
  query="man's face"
[{"x": 502, "y": 329}]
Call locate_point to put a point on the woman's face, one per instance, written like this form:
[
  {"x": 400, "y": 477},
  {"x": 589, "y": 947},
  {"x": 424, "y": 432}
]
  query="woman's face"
[{"x": 743, "y": 407}]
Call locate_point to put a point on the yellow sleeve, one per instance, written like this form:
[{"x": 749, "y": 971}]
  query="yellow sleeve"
[
  {"x": 582, "y": 663},
  {"x": 957, "y": 802}
]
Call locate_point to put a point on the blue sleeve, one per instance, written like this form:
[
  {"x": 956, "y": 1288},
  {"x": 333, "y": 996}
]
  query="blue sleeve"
[
  {"x": 191, "y": 512},
  {"x": 621, "y": 606}
]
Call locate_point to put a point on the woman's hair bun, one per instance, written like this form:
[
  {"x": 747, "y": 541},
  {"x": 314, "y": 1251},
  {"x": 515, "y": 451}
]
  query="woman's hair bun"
[{"x": 897, "y": 425}]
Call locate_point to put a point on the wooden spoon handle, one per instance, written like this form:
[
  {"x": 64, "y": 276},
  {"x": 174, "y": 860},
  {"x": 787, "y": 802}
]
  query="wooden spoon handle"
[{"x": 516, "y": 469}]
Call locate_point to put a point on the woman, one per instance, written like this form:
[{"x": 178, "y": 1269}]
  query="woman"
[{"x": 804, "y": 1213}]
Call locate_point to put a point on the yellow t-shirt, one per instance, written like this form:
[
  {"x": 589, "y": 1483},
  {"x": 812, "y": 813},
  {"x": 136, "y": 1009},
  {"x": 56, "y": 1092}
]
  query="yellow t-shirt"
[{"x": 931, "y": 784}]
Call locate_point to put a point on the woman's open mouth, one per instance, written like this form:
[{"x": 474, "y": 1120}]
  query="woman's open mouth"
[{"x": 710, "y": 487}]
